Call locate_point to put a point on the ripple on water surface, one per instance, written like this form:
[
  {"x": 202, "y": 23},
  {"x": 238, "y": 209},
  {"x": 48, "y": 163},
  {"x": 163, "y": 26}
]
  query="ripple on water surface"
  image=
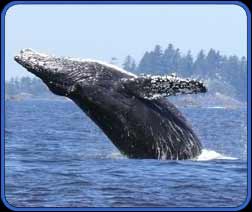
[{"x": 55, "y": 156}]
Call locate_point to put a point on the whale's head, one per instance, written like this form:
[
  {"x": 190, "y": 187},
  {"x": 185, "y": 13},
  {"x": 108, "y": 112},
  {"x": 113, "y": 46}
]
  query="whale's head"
[
  {"x": 63, "y": 75},
  {"x": 54, "y": 72}
]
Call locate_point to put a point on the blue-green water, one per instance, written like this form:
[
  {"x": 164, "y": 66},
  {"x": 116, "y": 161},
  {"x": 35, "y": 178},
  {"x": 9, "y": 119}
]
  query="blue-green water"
[{"x": 56, "y": 157}]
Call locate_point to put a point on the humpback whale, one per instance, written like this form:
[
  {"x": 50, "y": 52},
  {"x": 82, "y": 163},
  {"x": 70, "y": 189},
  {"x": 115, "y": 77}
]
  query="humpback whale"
[{"x": 131, "y": 110}]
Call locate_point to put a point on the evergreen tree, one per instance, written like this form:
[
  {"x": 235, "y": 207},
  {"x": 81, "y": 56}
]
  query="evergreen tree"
[
  {"x": 199, "y": 66},
  {"x": 176, "y": 61},
  {"x": 243, "y": 80},
  {"x": 168, "y": 59},
  {"x": 145, "y": 65},
  {"x": 213, "y": 63},
  {"x": 129, "y": 64},
  {"x": 156, "y": 60},
  {"x": 133, "y": 66},
  {"x": 10, "y": 87},
  {"x": 185, "y": 66}
]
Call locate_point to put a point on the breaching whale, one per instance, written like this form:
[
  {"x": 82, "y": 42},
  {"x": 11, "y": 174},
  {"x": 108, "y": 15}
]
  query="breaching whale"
[{"x": 131, "y": 110}]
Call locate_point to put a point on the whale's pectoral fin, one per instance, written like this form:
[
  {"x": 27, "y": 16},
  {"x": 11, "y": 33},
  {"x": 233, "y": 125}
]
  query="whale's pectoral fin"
[{"x": 153, "y": 87}]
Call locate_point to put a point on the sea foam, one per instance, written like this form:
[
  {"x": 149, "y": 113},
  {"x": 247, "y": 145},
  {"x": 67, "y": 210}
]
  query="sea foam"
[{"x": 208, "y": 154}]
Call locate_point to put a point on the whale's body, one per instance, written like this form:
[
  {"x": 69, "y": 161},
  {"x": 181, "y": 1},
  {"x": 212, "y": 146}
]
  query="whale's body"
[{"x": 129, "y": 109}]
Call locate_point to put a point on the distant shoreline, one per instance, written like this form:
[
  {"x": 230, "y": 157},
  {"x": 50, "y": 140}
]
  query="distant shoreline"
[{"x": 216, "y": 101}]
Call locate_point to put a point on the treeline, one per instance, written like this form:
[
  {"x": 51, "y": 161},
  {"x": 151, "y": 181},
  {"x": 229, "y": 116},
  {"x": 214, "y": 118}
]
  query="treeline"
[
  {"x": 226, "y": 75},
  {"x": 29, "y": 85},
  {"x": 226, "y": 72}
]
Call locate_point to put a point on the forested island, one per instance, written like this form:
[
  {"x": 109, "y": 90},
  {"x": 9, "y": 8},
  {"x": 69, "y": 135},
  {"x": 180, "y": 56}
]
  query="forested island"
[{"x": 225, "y": 76}]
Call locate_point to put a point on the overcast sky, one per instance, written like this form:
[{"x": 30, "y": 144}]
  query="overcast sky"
[{"x": 105, "y": 31}]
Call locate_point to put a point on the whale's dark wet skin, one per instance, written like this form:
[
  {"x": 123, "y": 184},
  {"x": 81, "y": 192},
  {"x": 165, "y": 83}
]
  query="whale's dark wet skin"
[{"x": 129, "y": 109}]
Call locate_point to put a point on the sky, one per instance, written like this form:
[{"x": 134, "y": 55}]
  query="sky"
[{"x": 105, "y": 31}]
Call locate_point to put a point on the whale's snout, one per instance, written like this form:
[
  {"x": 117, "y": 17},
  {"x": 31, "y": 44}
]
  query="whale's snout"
[
  {"x": 48, "y": 68},
  {"x": 22, "y": 58},
  {"x": 33, "y": 61},
  {"x": 24, "y": 55}
]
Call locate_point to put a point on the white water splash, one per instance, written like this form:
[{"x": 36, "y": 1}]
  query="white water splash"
[
  {"x": 212, "y": 155},
  {"x": 206, "y": 155},
  {"x": 116, "y": 156}
]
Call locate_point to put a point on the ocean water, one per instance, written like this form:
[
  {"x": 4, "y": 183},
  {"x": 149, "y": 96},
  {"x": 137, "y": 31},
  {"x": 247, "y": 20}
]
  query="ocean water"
[{"x": 56, "y": 157}]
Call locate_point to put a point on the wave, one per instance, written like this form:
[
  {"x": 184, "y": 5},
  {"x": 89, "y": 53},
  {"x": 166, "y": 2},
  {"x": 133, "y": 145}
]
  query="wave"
[
  {"x": 216, "y": 107},
  {"x": 212, "y": 155}
]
